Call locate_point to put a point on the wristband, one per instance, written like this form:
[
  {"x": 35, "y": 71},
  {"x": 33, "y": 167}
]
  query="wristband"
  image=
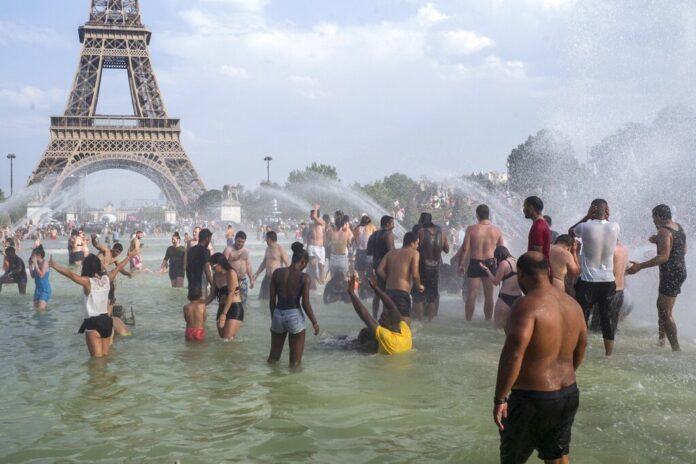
[{"x": 497, "y": 402}]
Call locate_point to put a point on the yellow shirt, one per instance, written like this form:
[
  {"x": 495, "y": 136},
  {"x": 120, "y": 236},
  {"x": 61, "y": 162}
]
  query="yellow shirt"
[{"x": 393, "y": 342}]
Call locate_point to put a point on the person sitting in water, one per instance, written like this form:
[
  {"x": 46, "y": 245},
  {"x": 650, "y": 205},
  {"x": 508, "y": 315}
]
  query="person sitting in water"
[
  {"x": 98, "y": 326},
  {"x": 39, "y": 270},
  {"x": 230, "y": 314},
  {"x": 506, "y": 277},
  {"x": 15, "y": 271},
  {"x": 391, "y": 331},
  {"x": 335, "y": 289}
]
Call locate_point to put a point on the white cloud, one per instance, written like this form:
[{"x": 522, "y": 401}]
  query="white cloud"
[
  {"x": 242, "y": 5},
  {"x": 233, "y": 71},
  {"x": 31, "y": 97},
  {"x": 492, "y": 67},
  {"x": 16, "y": 32},
  {"x": 308, "y": 87},
  {"x": 462, "y": 42},
  {"x": 429, "y": 13},
  {"x": 553, "y": 4}
]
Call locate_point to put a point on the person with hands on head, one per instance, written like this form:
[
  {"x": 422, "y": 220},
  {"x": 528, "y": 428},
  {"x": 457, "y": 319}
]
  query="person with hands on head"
[
  {"x": 544, "y": 346},
  {"x": 98, "y": 325},
  {"x": 289, "y": 295},
  {"x": 39, "y": 270},
  {"x": 671, "y": 251},
  {"x": 391, "y": 331},
  {"x": 230, "y": 314}
]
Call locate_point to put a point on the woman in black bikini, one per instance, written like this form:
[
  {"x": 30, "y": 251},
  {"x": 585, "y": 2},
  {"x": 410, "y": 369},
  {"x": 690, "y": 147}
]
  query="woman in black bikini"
[
  {"x": 289, "y": 297},
  {"x": 506, "y": 277},
  {"x": 230, "y": 314}
]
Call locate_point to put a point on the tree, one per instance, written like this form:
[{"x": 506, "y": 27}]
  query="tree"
[{"x": 323, "y": 170}]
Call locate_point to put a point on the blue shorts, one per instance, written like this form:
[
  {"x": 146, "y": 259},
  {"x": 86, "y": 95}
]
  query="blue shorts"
[
  {"x": 288, "y": 320},
  {"x": 42, "y": 295}
]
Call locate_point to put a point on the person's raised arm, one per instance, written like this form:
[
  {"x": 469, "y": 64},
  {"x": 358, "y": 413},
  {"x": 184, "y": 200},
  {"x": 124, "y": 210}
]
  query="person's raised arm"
[
  {"x": 389, "y": 305},
  {"x": 359, "y": 307},
  {"x": 307, "y": 306},
  {"x": 587, "y": 217},
  {"x": 119, "y": 267},
  {"x": 573, "y": 265},
  {"x": 664, "y": 248},
  {"x": 79, "y": 280},
  {"x": 520, "y": 328},
  {"x": 41, "y": 269},
  {"x": 316, "y": 217},
  {"x": 97, "y": 245}
]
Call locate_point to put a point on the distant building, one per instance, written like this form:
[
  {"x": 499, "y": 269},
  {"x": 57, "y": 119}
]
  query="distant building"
[{"x": 497, "y": 178}]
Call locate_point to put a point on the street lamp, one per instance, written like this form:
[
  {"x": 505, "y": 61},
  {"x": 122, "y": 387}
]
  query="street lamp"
[
  {"x": 268, "y": 160},
  {"x": 11, "y": 157}
]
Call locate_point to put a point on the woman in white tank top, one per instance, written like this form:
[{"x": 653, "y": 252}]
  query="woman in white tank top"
[{"x": 98, "y": 325}]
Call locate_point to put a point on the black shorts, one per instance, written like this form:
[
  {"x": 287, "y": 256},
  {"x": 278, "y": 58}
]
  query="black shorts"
[
  {"x": 195, "y": 293},
  {"x": 538, "y": 420},
  {"x": 265, "y": 290},
  {"x": 430, "y": 277},
  {"x": 602, "y": 294},
  {"x": 75, "y": 257},
  {"x": 103, "y": 324},
  {"x": 362, "y": 263},
  {"x": 671, "y": 281},
  {"x": 236, "y": 311},
  {"x": 175, "y": 273},
  {"x": 402, "y": 300},
  {"x": 474, "y": 270}
]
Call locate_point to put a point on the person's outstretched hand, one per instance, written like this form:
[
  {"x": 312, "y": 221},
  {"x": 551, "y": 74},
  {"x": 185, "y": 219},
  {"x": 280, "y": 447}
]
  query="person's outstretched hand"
[{"x": 352, "y": 283}]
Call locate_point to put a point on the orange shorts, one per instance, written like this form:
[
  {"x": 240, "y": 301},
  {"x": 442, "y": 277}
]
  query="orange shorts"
[{"x": 195, "y": 334}]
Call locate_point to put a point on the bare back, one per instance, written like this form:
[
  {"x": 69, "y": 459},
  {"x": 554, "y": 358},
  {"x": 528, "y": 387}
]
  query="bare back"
[
  {"x": 558, "y": 332},
  {"x": 400, "y": 267},
  {"x": 559, "y": 259},
  {"x": 483, "y": 238}
]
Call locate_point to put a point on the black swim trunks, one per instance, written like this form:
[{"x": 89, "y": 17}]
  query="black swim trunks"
[
  {"x": 236, "y": 311},
  {"x": 474, "y": 270},
  {"x": 509, "y": 299},
  {"x": 538, "y": 420},
  {"x": 402, "y": 300},
  {"x": 103, "y": 324},
  {"x": 588, "y": 294},
  {"x": 430, "y": 277}
]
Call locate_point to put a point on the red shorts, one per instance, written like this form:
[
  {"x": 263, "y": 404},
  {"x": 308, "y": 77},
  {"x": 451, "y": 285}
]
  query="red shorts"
[{"x": 195, "y": 334}]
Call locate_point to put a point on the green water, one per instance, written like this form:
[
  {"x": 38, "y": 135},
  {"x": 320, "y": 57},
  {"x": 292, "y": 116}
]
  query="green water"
[{"x": 159, "y": 399}]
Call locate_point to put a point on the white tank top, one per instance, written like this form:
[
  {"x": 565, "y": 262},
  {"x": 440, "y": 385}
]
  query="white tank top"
[{"x": 97, "y": 301}]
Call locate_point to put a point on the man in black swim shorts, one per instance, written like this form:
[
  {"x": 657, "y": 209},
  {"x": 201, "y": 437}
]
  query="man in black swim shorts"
[
  {"x": 432, "y": 243},
  {"x": 400, "y": 269},
  {"x": 671, "y": 251},
  {"x": 544, "y": 346}
]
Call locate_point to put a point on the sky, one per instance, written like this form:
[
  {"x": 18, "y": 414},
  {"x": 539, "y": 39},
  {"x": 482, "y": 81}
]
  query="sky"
[{"x": 373, "y": 87}]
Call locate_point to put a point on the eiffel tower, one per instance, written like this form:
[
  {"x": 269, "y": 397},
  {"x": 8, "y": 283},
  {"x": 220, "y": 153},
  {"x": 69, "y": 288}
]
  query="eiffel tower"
[{"x": 147, "y": 142}]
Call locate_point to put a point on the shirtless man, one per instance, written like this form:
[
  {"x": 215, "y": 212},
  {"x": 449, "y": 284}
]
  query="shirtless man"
[
  {"x": 229, "y": 235},
  {"x": 75, "y": 248},
  {"x": 378, "y": 245},
  {"x": 275, "y": 257},
  {"x": 432, "y": 243},
  {"x": 544, "y": 346},
  {"x": 239, "y": 259},
  {"x": 197, "y": 267},
  {"x": 563, "y": 257},
  {"x": 340, "y": 237},
  {"x": 400, "y": 270},
  {"x": 315, "y": 247},
  {"x": 480, "y": 241},
  {"x": 136, "y": 261}
]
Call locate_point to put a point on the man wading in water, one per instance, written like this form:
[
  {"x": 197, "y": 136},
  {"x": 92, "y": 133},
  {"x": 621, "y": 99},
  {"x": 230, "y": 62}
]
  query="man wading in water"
[{"x": 544, "y": 346}]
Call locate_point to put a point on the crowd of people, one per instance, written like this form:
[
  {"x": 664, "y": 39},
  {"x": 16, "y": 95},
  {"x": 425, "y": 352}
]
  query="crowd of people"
[{"x": 548, "y": 297}]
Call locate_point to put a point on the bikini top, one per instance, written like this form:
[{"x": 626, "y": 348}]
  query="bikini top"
[{"x": 511, "y": 273}]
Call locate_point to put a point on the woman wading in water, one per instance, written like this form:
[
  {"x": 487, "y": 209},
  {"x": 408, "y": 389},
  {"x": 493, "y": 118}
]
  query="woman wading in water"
[
  {"x": 289, "y": 296},
  {"x": 98, "y": 326},
  {"x": 230, "y": 314}
]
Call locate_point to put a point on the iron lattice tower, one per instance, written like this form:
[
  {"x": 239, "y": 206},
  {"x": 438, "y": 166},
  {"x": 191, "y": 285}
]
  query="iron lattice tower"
[{"x": 147, "y": 142}]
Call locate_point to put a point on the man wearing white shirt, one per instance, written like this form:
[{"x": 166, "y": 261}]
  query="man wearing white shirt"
[{"x": 596, "y": 284}]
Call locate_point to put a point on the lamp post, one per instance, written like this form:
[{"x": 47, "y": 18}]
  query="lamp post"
[
  {"x": 11, "y": 157},
  {"x": 268, "y": 160}
]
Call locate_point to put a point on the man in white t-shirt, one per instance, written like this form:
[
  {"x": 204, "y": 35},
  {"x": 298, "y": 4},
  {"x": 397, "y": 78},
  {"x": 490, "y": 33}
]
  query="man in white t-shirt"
[{"x": 596, "y": 284}]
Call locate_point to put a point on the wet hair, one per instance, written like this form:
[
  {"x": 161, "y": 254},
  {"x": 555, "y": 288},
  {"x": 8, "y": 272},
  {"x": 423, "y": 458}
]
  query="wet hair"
[
  {"x": 409, "y": 238},
  {"x": 204, "y": 235},
  {"x": 535, "y": 202},
  {"x": 501, "y": 253},
  {"x": 548, "y": 219},
  {"x": 176, "y": 234},
  {"x": 10, "y": 251},
  {"x": 39, "y": 251},
  {"x": 241, "y": 234},
  {"x": 426, "y": 219},
  {"x": 365, "y": 220},
  {"x": 599, "y": 203},
  {"x": 91, "y": 266},
  {"x": 564, "y": 239},
  {"x": 272, "y": 236},
  {"x": 384, "y": 222},
  {"x": 533, "y": 263},
  {"x": 482, "y": 212},
  {"x": 118, "y": 247},
  {"x": 220, "y": 260},
  {"x": 298, "y": 252},
  {"x": 662, "y": 212}
]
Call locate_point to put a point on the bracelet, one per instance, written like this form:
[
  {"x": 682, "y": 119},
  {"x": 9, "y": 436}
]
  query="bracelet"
[{"x": 497, "y": 402}]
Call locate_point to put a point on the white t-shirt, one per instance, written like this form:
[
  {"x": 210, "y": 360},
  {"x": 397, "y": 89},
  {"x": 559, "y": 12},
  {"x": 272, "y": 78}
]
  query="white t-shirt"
[{"x": 598, "y": 242}]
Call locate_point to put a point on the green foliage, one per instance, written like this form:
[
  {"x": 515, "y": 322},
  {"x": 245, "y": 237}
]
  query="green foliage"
[{"x": 325, "y": 170}]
